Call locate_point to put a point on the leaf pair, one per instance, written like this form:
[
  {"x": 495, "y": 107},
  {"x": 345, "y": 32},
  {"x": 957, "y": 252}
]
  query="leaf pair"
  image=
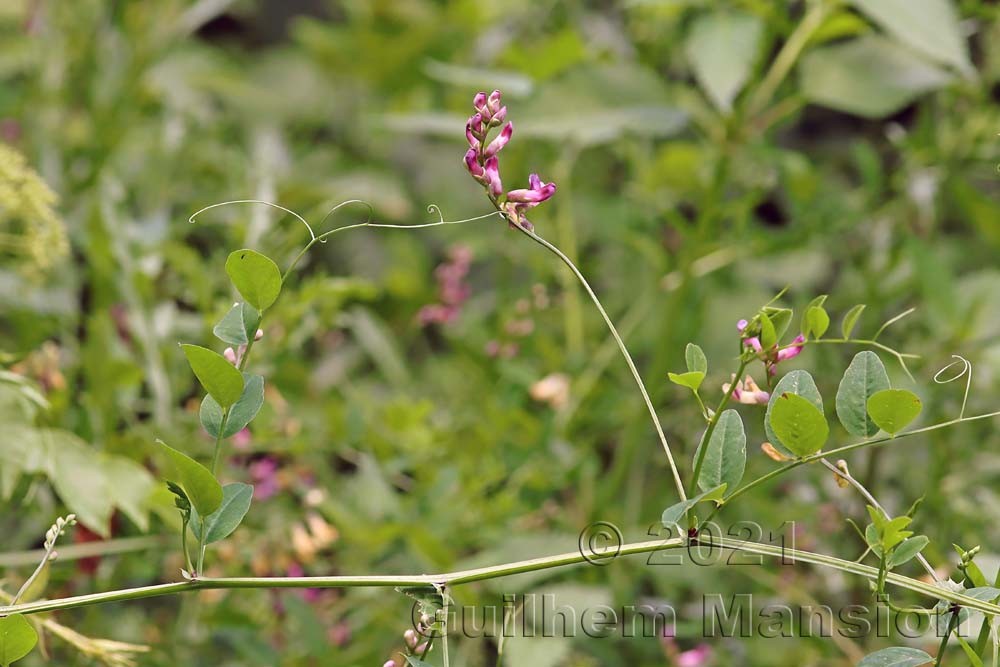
[
  {"x": 866, "y": 403},
  {"x": 697, "y": 367},
  {"x": 223, "y": 507}
]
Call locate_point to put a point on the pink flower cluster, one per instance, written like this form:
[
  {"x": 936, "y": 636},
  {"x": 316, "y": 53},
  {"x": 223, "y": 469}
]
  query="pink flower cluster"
[
  {"x": 453, "y": 291},
  {"x": 482, "y": 162},
  {"x": 775, "y": 354}
]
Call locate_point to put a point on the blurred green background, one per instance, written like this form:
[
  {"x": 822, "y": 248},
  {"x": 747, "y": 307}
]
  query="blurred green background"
[{"x": 706, "y": 153}]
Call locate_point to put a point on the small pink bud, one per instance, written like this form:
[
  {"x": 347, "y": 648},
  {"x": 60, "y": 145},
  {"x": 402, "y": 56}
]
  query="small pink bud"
[
  {"x": 258, "y": 335},
  {"x": 410, "y": 637},
  {"x": 230, "y": 355},
  {"x": 741, "y": 325},
  {"x": 753, "y": 342},
  {"x": 499, "y": 117},
  {"x": 494, "y": 146},
  {"x": 479, "y": 101},
  {"x": 492, "y": 168},
  {"x": 390, "y": 663},
  {"x": 420, "y": 650},
  {"x": 493, "y": 102}
]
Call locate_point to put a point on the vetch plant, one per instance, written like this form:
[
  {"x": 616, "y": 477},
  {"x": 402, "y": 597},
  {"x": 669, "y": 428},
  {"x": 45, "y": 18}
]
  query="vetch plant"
[{"x": 790, "y": 406}]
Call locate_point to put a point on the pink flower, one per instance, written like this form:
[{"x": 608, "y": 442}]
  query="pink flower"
[
  {"x": 472, "y": 163},
  {"x": 696, "y": 657},
  {"x": 534, "y": 196},
  {"x": 482, "y": 163},
  {"x": 747, "y": 392},
  {"x": 492, "y": 167},
  {"x": 493, "y": 103},
  {"x": 264, "y": 473},
  {"x": 494, "y": 146},
  {"x": 741, "y": 325},
  {"x": 753, "y": 342},
  {"x": 475, "y": 130},
  {"x": 794, "y": 350},
  {"x": 479, "y": 101}
]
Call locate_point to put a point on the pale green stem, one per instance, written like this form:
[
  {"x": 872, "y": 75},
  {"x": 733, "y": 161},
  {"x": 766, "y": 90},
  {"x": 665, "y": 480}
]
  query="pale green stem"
[
  {"x": 867, "y": 495},
  {"x": 621, "y": 346},
  {"x": 788, "y": 56},
  {"x": 452, "y": 579}
]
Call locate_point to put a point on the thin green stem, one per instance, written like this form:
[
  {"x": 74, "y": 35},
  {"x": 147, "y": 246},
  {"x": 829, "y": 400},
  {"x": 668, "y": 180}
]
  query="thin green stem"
[
  {"x": 217, "y": 455},
  {"x": 621, "y": 346},
  {"x": 868, "y": 496},
  {"x": 499, "y": 571},
  {"x": 945, "y": 638},
  {"x": 787, "y": 57}
]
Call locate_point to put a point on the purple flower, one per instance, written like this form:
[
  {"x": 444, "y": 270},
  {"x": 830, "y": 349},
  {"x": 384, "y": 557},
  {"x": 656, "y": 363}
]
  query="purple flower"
[
  {"x": 494, "y": 147},
  {"x": 794, "y": 350},
  {"x": 472, "y": 163},
  {"x": 534, "y": 196},
  {"x": 741, "y": 325},
  {"x": 482, "y": 163},
  {"x": 492, "y": 167}
]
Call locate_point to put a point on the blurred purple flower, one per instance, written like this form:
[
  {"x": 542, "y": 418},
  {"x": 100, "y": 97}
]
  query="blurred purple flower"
[{"x": 264, "y": 473}]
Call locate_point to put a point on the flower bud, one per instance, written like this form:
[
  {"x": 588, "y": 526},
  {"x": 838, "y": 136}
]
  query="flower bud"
[
  {"x": 494, "y": 146},
  {"x": 390, "y": 663},
  {"x": 493, "y": 102},
  {"x": 410, "y": 637},
  {"x": 479, "y": 101},
  {"x": 472, "y": 164},
  {"x": 499, "y": 117},
  {"x": 230, "y": 355},
  {"x": 492, "y": 168},
  {"x": 260, "y": 334},
  {"x": 420, "y": 650}
]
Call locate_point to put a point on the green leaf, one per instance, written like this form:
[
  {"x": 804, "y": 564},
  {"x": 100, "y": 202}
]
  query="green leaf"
[
  {"x": 256, "y": 277},
  {"x": 219, "y": 377},
  {"x": 17, "y": 638},
  {"x": 219, "y": 525},
  {"x": 817, "y": 322},
  {"x": 695, "y": 359},
  {"x": 722, "y": 48},
  {"x": 726, "y": 456},
  {"x": 240, "y": 414},
  {"x": 230, "y": 328},
  {"x": 673, "y": 514},
  {"x": 197, "y": 481},
  {"x": 781, "y": 319},
  {"x": 870, "y": 76},
  {"x": 768, "y": 334},
  {"x": 417, "y": 662},
  {"x": 873, "y": 539},
  {"x": 851, "y": 319},
  {"x": 907, "y": 550},
  {"x": 930, "y": 27},
  {"x": 893, "y": 409},
  {"x": 817, "y": 302},
  {"x": 796, "y": 382},
  {"x": 865, "y": 377},
  {"x": 799, "y": 424},
  {"x": 690, "y": 380},
  {"x": 897, "y": 656}
]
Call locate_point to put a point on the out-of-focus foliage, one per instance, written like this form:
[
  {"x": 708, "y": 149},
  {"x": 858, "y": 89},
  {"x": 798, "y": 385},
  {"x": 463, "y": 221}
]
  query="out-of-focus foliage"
[{"x": 707, "y": 154}]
